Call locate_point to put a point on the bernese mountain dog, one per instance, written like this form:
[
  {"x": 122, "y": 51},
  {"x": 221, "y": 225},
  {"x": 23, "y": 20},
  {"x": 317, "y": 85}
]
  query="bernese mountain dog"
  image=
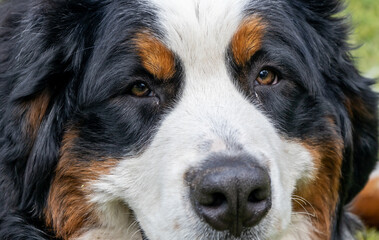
[{"x": 172, "y": 120}]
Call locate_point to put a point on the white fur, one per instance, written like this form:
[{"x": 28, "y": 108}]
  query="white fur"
[
  {"x": 375, "y": 173},
  {"x": 118, "y": 223},
  {"x": 211, "y": 110},
  {"x": 300, "y": 228},
  {"x": 109, "y": 234}
]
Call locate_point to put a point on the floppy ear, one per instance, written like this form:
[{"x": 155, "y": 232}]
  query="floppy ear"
[
  {"x": 361, "y": 105},
  {"x": 41, "y": 72},
  {"x": 361, "y": 144},
  {"x": 358, "y": 115}
]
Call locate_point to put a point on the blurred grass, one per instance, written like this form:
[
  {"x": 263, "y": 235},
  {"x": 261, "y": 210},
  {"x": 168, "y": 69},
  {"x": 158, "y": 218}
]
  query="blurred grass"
[
  {"x": 371, "y": 235},
  {"x": 365, "y": 18}
]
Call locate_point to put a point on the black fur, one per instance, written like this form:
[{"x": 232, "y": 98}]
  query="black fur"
[
  {"x": 80, "y": 54},
  {"x": 307, "y": 44}
]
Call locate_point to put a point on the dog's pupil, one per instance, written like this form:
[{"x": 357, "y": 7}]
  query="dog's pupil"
[
  {"x": 263, "y": 74},
  {"x": 141, "y": 87}
]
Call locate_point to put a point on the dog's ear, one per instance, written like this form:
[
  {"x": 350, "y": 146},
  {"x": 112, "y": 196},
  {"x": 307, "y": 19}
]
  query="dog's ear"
[
  {"x": 42, "y": 69},
  {"x": 361, "y": 106},
  {"x": 358, "y": 113}
]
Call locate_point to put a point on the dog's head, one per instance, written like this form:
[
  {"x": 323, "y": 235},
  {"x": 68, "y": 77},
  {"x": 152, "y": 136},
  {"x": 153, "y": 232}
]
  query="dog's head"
[{"x": 190, "y": 119}]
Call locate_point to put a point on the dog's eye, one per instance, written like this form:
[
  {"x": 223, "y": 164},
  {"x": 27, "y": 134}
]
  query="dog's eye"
[
  {"x": 141, "y": 89},
  {"x": 267, "y": 77}
]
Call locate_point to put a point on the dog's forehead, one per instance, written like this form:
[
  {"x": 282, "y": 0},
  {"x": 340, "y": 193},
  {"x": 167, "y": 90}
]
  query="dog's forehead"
[{"x": 199, "y": 32}]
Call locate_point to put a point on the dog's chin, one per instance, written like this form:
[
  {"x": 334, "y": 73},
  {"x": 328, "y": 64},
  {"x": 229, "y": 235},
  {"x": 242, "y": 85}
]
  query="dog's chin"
[
  {"x": 198, "y": 228},
  {"x": 143, "y": 235},
  {"x": 208, "y": 233}
]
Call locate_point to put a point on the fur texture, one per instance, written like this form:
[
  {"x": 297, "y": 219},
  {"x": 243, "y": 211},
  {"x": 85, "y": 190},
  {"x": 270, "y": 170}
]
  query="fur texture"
[{"x": 105, "y": 106}]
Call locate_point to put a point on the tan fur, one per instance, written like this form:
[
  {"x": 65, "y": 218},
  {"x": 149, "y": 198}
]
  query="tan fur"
[
  {"x": 34, "y": 111},
  {"x": 68, "y": 212},
  {"x": 156, "y": 58},
  {"x": 366, "y": 204},
  {"x": 321, "y": 194},
  {"x": 357, "y": 109},
  {"x": 247, "y": 40}
]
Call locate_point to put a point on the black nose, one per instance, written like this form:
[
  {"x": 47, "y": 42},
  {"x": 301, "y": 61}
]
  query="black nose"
[{"x": 230, "y": 193}]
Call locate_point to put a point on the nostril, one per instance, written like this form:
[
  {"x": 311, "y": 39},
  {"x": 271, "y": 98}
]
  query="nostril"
[
  {"x": 214, "y": 200},
  {"x": 258, "y": 195},
  {"x": 258, "y": 204}
]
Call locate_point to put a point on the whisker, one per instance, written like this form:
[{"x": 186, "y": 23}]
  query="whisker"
[{"x": 304, "y": 202}]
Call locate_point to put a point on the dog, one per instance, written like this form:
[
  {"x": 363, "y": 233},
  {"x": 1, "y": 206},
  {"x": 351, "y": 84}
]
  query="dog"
[{"x": 164, "y": 120}]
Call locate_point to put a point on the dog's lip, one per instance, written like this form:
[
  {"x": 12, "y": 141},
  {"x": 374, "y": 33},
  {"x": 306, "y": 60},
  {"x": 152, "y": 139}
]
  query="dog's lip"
[{"x": 143, "y": 235}]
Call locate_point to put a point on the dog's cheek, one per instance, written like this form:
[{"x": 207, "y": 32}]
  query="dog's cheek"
[
  {"x": 292, "y": 165},
  {"x": 69, "y": 210},
  {"x": 319, "y": 197}
]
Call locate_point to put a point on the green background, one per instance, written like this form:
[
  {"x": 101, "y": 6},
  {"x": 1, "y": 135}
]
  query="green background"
[{"x": 365, "y": 18}]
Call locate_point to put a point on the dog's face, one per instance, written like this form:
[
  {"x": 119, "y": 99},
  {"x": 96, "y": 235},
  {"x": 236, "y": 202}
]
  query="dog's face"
[
  {"x": 222, "y": 158},
  {"x": 204, "y": 120}
]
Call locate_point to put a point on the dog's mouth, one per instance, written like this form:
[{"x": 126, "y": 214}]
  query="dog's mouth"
[
  {"x": 143, "y": 234},
  {"x": 246, "y": 235}
]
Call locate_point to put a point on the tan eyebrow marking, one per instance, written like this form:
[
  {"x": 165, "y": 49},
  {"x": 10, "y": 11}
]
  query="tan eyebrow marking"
[
  {"x": 156, "y": 58},
  {"x": 247, "y": 40}
]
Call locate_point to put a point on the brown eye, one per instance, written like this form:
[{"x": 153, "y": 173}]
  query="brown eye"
[
  {"x": 140, "y": 89},
  {"x": 267, "y": 77}
]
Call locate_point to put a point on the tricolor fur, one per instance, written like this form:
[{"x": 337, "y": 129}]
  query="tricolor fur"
[{"x": 82, "y": 157}]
